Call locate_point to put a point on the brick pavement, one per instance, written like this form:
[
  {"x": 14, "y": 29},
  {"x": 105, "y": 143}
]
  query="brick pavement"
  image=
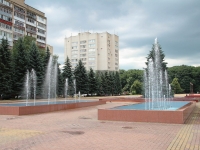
[{"x": 79, "y": 129}]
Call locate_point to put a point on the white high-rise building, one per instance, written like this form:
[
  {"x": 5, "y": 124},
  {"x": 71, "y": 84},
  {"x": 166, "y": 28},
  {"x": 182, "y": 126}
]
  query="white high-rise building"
[
  {"x": 99, "y": 51},
  {"x": 18, "y": 19}
]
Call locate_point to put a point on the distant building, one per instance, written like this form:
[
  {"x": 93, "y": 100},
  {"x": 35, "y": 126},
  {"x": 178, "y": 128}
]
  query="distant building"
[
  {"x": 50, "y": 48},
  {"x": 18, "y": 19},
  {"x": 99, "y": 51}
]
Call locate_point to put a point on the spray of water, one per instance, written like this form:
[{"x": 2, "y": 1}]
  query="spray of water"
[{"x": 157, "y": 89}]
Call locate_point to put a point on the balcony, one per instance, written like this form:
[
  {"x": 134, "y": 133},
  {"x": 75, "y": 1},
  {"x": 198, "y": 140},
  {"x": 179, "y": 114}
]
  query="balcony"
[
  {"x": 42, "y": 45},
  {"x": 30, "y": 31},
  {"x": 33, "y": 17}
]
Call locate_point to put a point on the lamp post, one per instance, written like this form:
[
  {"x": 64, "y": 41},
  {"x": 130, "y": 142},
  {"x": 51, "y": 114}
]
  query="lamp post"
[{"x": 191, "y": 88}]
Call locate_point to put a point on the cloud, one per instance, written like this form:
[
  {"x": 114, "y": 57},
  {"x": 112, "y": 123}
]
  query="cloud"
[{"x": 136, "y": 22}]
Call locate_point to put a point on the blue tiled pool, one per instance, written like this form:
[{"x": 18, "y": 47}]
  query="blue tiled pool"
[
  {"x": 141, "y": 106},
  {"x": 42, "y": 103}
]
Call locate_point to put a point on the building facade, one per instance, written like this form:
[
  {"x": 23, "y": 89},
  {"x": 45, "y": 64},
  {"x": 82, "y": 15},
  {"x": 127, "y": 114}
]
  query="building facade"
[
  {"x": 99, "y": 51},
  {"x": 18, "y": 19},
  {"x": 50, "y": 48}
]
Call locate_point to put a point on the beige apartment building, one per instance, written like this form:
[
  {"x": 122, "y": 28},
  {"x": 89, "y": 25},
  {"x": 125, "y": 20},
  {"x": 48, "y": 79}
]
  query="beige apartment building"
[
  {"x": 18, "y": 19},
  {"x": 99, "y": 51}
]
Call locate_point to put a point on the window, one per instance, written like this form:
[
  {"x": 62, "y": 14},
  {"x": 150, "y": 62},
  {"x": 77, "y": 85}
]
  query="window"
[
  {"x": 19, "y": 23},
  {"x": 31, "y": 14},
  {"x": 41, "y": 31},
  {"x": 74, "y": 51},
  {"x": 91, "y": 45},
  {"x": 91, "y": 50},
  {"x": 92, "y": 41},
  {"x": 82, "y": 55},
  {"x": 74, "y": 60},
  {"x": 82, "y": 42},
  {"x": 18, "y": 30},
  {"x": 74, "y": 55},
  {"x": 5, "y": 3},
  {"x": 5, "y": 26},
  {"x": 19, "y": 15},
  {"x": 91, "y": 58},
  {"x": 6, "y": 18},
  {"x": 74, "y": 43},
  {"x": 41, "y": 38},
  {"x": 83, "y": 50},
  {"x": 74, "y": 47},
  {"x": 83, "y": 59},
  {"x": 116, "y": 68},
  {"x": 116, "y": 55},
  {"x": 6, "y": 10},
  {"x": 41, "y": 25},
  {"x": 31, "y": 20},
  {"x": 41, "y": 19},
  {"x": 91, "y": 63},
  {"x": 19, "y": 9},
  {"x": 30, "y": 29},
  {"x": 6, "y": 34},
  {"x": 83, "y": 46}
]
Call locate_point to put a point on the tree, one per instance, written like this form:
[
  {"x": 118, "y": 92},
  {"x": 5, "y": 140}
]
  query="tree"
[
  {"x": 67, "y": 74},
  {"x": 136, "y": 87},
  {"x": 81, "y": 78},
  {"x": 20, "y": 65},
  {"x": 151, "y": 55},
  {"x": 60, "y": 82},
  {"x": 118, "y": 83},
  {"x": 46, "y": 58},
  {"x": 99, "y": 89},
  {"x": 176, "y": 86},
  {"x": 92, "y": 85},
  {"x": 5, "y": 68},
  {"x": 36, "y": 63}
]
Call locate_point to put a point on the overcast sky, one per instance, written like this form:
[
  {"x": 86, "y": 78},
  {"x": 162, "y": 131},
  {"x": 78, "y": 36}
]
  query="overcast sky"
[{"x": 176, "y": 24}]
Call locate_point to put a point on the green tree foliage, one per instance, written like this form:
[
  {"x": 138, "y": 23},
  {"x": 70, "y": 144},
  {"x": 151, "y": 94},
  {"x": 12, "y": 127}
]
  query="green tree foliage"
[
  {"x": 46, "y": 58},
  {"x": 5, "y": 68},
  {"x": 60, "y": 82},
  {"x": 136, "y": 87},
  {"x": 128, "y": 77},
  {"x": 99, "y": 89},
  {"x": 186, "y": 74},
  {"x": 176, "y": 86},
  {"x": 67, "y": 74},
  {"x": 118, "y": 85},
  {"x": 36, "y": 63},
  {"x": 162, "y": 56},
  {"x": 81, "y": 78},
  {"x": 20, "y": 65},
  {"x": 92, "y": 85},
  {"x": 106, "y": 84}
]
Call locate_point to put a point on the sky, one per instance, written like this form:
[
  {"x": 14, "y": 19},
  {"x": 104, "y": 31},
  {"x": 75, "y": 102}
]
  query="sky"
[{"x": 176, "y": 24}]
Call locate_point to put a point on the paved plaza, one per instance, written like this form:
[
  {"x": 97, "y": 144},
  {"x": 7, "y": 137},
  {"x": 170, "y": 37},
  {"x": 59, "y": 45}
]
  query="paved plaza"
[{"x": 79, "y": 129}]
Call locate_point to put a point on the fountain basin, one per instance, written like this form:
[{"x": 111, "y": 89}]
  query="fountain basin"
[
  {"x": 178, "y": 116},
  {"x": 22, "y": 109}
]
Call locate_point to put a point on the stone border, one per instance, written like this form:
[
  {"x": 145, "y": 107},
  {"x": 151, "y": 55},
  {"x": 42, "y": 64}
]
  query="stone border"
[
  {"x": 177, "y": 117},
  {"x": 26, "y": 110}
]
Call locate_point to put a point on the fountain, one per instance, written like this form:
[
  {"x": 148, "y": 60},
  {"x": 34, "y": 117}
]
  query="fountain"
[
  {"x": 66, "y": 89},
  {"x": 49, "y": 103},
  {"x": 75, "y": 89},
  {"x": 156, "y": 82},
  {"x": 158, "y": 104},
  {"x": 50, "y": 82},
  {"x": 30, "y": 86}
]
